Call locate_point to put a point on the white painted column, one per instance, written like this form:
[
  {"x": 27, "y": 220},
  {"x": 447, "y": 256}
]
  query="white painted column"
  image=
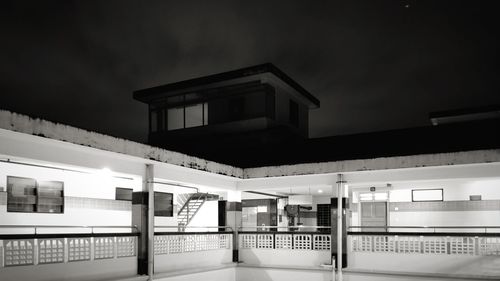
[
  {"x": 340, "y": 185},
  {"x": 331, "y": 238},
  {"x": 151, "y": 218},
  {"x": 233, "y": 219}
]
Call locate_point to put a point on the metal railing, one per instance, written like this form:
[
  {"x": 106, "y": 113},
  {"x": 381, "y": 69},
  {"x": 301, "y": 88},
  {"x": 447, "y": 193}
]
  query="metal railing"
[
  {"x": 61, "y": 247},
  {"x": 302, "y": 237},
  {"x": 176, "y": 242},
  {"x": 91, "y": 228},
  {"x": 445, "y": 240},
  {"x": 181, "y": 229},
  {"x": 422, "y": 229},
  {"x": 305, "y": 228}
]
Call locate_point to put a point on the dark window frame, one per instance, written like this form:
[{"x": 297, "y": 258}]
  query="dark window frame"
[
  {"x": 125, "y": 189},
  {"x": 36, "y": 205},
  {"x": 38, "y": 198},
  {"x": 171, "y": 212}
]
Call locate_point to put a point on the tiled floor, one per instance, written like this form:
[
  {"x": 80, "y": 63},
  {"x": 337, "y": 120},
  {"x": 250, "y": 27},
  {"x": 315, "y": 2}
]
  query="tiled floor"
[{"x": 387, "y": 277}]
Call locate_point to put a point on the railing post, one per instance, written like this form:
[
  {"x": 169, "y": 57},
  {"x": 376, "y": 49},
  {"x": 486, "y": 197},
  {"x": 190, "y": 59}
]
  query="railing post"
[
  {"x": 35, "y": 251},
  {"x": 151, "y": 218},
  {"x": 340, "y": 228}
]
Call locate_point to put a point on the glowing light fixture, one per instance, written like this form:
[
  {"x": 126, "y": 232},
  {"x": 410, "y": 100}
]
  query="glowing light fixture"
[{"x": 105, "y": 172}]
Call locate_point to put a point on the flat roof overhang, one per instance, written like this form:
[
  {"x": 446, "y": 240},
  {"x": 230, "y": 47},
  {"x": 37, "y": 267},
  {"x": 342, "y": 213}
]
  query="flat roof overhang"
[{"x": 265, "y": 73}]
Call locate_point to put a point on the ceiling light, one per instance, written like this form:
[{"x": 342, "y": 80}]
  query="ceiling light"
[
  {"x": 105, "y": 172},
  {"x": 320, "y": 191}
]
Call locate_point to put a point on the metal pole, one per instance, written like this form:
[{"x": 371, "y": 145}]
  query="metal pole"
[
  {"x": 340, "y": 181},
  {"x": 151, "y": 218}
]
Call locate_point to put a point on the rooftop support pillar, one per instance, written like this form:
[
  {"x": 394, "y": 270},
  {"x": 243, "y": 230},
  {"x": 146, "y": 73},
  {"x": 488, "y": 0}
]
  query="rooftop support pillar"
[
  {"x": 339, "y": 226},
  {"x": 230, "y": 215},
  {"x": 151, "y": 219},
  {"x": 339, "y": 230},
  {"x": 143, "y": 218}
]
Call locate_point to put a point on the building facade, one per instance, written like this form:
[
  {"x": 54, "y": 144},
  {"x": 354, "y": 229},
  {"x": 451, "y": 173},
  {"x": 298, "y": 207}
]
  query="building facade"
[{"x": 67, "y": 212}]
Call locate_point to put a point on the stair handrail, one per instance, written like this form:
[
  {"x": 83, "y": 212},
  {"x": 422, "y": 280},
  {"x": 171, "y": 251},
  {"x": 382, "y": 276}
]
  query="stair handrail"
[{"x": 185, "y": 203}]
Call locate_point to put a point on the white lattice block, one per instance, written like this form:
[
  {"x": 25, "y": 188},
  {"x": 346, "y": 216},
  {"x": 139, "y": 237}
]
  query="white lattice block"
[
  {"x": 321, "y": 242},
  {"x": 489, "y": 246},
  {"x": 201, "y": 242},
  {"x": 189, "y": 243},
  {"x": 302, "y": 241},
  {"x": 175, "y": 244},
  {"x": 355, "y": 243},
  {"x": 161, "y": 244},
  {"x": 362, "y": 243},
  {"x": 265, "y": 241},
  {"x": 409, "y": 244},
  {"x": 435, "y": 245},
  {"x": 51, "y": 250},
  {"x": 462, "y": 246},
  {"x": 104, "y": 248},
  {"x": 213, "y": 241},
  {"x": 19, "y": 252},
  {"x": 384, "y": 244},
  {"x": 283, "y": 241},
  {"x": 248, "y": 241},
  {"x": 78, "y": 249},
  {"x": 125, "y": 246},
  {"x": 225, "y": 241}
]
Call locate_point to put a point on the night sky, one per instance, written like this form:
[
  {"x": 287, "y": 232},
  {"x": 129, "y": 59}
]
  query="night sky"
[{"x": 374, "y": 65}]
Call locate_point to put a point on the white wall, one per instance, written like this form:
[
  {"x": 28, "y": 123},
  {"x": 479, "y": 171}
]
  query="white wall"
[
  {"x": 192, "y": 260},
  {"x": 466, "y": 218},
  {"x": 208, "y": 215},
  {"x": 284, "y": 257},
  {"x": 104, "y": 269},
  {"x": 453, "y": 190},
  {"x": 91, "y": 185},
  {"x": 466, "y": 265},
  {"x": 77, "y": 185}
]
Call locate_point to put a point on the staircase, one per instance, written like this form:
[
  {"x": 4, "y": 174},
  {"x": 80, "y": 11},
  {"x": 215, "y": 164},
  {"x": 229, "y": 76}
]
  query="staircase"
[{"x": 191, "y": 206}]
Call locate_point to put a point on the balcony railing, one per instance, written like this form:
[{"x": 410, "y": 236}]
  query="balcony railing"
[
  {"x": 462, "y": 251},
  {"x": 175, "y": 250},
  {"x": 36, "y": 248},
  {"x": 426, "y": 229},
  {"x": 174, "y": 243},
  {"x": 280, "y": 240},
  {"x": 285, "y": 246},
  {"x": 51, "y": 229},
  {"x": 429, "y": 241}
]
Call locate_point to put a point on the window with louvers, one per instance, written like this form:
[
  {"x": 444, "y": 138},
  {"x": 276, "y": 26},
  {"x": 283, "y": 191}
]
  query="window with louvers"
[{"x": 29, "y": 196}]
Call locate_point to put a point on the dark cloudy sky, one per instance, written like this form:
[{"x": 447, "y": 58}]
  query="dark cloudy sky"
[{"x": 375, "y": 65}]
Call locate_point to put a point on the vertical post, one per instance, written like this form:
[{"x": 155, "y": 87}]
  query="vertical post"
[
  {"x": 143, "y": 220},
  {"x": 151, "y": 218},
  {"x": 340, "y": 185},
  {"x": 232, "y": 218}
]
